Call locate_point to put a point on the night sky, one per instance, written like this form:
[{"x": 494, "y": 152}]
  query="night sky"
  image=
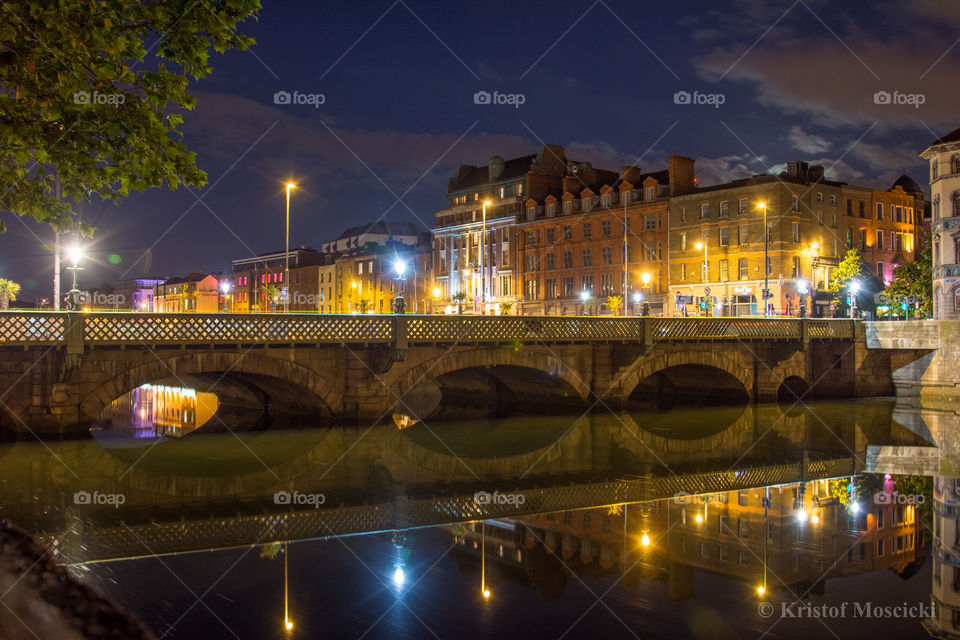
[{"x": 797, "y": 81}]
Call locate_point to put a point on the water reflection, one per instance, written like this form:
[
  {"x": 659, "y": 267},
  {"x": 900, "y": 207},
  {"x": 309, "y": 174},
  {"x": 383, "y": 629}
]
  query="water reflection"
[
  {"x": 649, "y": 511},
  {"x": 155, "y": 410}
]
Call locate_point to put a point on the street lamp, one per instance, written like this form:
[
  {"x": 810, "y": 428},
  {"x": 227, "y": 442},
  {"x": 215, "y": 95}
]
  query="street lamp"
[
  {"x": 585, "y": 299},
  {"x": 75, "y": 254},
  {"x": 483, "y": 250},
  {"x": 637, "y": 297},
  {"x": 705, "y": 276},
  {"x": 645, "y": 279},
  {"x": 225, "y": 287},
  {"x": 802, "y": 293},
  {"x": 400, "y": 267},
  {"x": 286, "y": 255},
  {"x": 436, "y": 298},
  {"x": 853, "y": 287},
  {"x": 766, "y": 270}
]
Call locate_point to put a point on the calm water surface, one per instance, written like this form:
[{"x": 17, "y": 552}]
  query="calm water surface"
[{"x": 648, "y": 525}]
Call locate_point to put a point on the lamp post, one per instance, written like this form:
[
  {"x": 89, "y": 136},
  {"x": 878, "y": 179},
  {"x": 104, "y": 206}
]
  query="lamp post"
[
  {"x": 637, "y": 297},
  {"x": 705, "y": 276},
  {"x": 75, "y": 255},
  {"x": 585, "y": 299},
  {"x": 626, "y": 255},
  {"x": 766, "y": 271},
  {"x": 802, "y": 293},
  {"x": 225, "y": 287},
  {"x": 286, "y": 254},
  {"x": 399, "y": 304},
  {"x": 853, "y": 287},
  {"x": 645, "y": 279},
  {"x": 483, "y": 250}
]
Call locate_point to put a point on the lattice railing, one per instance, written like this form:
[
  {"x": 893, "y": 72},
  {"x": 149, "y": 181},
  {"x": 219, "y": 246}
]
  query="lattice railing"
[
  {"x": 18, "y": 328},
  {"x": 115, "y": 328},
  {"x": 31, "y": 328}
]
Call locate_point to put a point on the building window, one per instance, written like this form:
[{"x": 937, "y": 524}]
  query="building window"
[
  {"x": 796, "y": 267},
  {"x": 704, "y": 209},
  {"x": 568, "y": 259},
  {"x": 586, "y": 203},
  {"x": 724, "y": 208},
  {"x": 683, "y": 214},
  {"x": 849, "y": 239},
  {"x": 606, "y": 255},
  {"x": 606, "y": 284},
  {"x": 605, "y": 228},
  {"x": 862, "y": 209},
  {"x": 742, "y": 234},
  {"x": 586, "y": 231},
  {"x": 568, "y": 287},
  {"x": 587, "y": 257},
  {"x": 879, "y": 211},
  {"x": 742, "y": 271},
  {"x": 796, "y": 203},
  {"x": 724, "y": 270},
  {"x": 551, "y": 235},
  {"x": 551, "y": 261},
  {"x": 551, "y": 209},
  {"x": 568, "y": 233},
  {"x": 651, "y": 193},
  {"x": 605, "y": 199},
  {"x": 819, "y": 196},
  {"x": 744, "y": 205},
  {"x": 880, "y": 270},
  {"x": 795, "y": 231},
  {"x": 880, "y": 547},
  {"x": 833, "y": 198},
  {"x": 849, "y": 207},
  {"x": 879, "y": 238},
  {"x": 549, "y": 288},
  {"x": 520, "y": 189},
  {"x": 586, "y": 283},
  {"x": 531, "y": 263},
  {"x": 683, "y": 242},
  {"x": 625, "y": 197},
  {"x": 724, "y": 236},
  {"x": 683, "y": 271},
  {"x": 568, "y": 206},
  {"x": 531, "y": 213}
]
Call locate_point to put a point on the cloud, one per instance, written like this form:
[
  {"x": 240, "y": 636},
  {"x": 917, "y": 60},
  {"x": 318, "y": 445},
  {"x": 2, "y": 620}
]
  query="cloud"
[
  {"x": 820, "y": 77},
  {"x": 806, "y": 142},
  {"x": 721, "y": 169}
]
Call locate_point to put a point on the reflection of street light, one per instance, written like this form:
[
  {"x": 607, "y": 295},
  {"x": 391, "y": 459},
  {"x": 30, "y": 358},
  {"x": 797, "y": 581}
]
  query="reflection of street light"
[
  {"x": 399, "y": 577},
  {"x": 287, "y": 623},
  {"x": 483, "y": 560},
  {"x": 645, "y": 539}
]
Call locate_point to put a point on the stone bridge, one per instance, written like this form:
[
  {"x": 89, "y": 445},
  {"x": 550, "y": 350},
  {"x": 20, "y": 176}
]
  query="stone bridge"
[{"x": 58, "y": 371}]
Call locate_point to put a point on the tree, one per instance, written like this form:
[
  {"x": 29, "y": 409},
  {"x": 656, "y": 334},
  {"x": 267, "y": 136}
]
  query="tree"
[
  {"x": 91, "y": 93},
  {"x": 271, "y": 295},
  {"x": 912, "y": 284},
  {"x": 9, "y": 290},
  {"x": 853, "y": 269},
  {"x": 505, "y": 308},
  {"x": 459, "y": 297},
  {"x": 615, "y": 303},
  {"x": 364, "y": 306}
]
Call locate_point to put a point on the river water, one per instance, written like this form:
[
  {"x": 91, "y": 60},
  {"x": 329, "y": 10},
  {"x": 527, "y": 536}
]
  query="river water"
[{"x": 644, "y": 524}]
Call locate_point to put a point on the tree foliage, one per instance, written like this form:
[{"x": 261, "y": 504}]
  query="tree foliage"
[
  {"x": 9, "y": 290},
  {"x": 913, "y": 283},
  {"x": 92, "y": 93},
  {"x": 853, "y": 269}
]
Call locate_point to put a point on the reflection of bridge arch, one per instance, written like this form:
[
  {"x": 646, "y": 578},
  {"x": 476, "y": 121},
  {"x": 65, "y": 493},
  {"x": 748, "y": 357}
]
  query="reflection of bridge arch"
[
  {"x": 530, "y": 357},
  {"x": 641, "y": 441},
  {"x": 645, "y": 367},
  {"x": 210, "y": 362}
]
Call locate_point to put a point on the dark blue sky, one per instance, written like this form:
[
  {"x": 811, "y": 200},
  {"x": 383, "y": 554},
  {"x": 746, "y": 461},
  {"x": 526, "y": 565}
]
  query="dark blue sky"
[{"x": 798, "y": 80}]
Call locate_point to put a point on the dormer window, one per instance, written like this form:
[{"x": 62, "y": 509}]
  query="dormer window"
[
  {"x": 625, "y": 197},
  {"x": 605, "y": 198},
  {"x": 651, "y": 194}
]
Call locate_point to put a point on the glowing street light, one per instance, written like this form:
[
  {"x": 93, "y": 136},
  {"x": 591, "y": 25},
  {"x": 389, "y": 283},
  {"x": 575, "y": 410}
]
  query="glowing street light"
[
  {"x": 483, "y": 250},
  {"x": 399, "y": 577},
  {"x": 761, "y": 590},
  {"x": 287, "y": 623},
  {"x": 225, "y": 287},
  {"x": 645, "y": 539},
  {"x": 853, "y": 287},
  {"x": 75, "y": 254}
]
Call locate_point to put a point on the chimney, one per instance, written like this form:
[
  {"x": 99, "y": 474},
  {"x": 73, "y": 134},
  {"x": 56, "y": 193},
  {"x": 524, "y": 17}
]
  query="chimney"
[
  {"x": 572, "y": 184},
  {"x": 631, "y": 174},
  {"x": 798, "y": 169},
  {"x": 815, "y": 173},
  {"x": 681, "y": 175},
  {"x": 494, "y": 168}
]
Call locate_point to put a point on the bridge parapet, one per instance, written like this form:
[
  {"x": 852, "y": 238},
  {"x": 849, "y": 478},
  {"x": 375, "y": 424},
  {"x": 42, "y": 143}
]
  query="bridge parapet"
[{"x": 109, "y": 329}]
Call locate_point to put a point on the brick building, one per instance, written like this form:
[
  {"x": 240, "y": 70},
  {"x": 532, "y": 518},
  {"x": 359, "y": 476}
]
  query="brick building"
[
  {"x": 573, "y": 240},
  {"x": 475, "y": 244}
]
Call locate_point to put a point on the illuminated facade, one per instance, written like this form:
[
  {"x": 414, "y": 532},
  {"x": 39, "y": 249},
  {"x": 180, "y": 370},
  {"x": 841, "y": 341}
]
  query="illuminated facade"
[
  {"x": 944, "y": 158},
  {"x": 153, "y": 410}
]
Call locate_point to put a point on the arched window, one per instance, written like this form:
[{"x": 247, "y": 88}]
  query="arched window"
[
  {"x": 933, "y": 170},
  {"x": 956, "y": 203},
  {"x": 955, "y": 163},
  {"x": 936, "y": 207},
  {"x": 956, "y": 299}
]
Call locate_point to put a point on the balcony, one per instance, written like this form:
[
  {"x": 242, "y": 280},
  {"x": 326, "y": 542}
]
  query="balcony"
[{"x": 947, "y": 271}]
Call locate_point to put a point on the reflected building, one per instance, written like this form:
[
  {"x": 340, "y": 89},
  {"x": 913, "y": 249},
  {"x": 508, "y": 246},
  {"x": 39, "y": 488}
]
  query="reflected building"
[
  {"x": 945, "y": 590},
  {"x": 154, "y": 410}
]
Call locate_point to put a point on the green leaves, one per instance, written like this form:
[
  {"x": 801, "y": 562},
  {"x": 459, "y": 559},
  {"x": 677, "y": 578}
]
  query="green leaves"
[{"x": 82, "y": 100}]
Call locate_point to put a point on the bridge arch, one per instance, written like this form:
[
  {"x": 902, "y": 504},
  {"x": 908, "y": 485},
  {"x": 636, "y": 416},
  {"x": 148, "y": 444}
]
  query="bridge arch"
[
  {"x": 538, "y": 358},
  {"x": 645, "y": 367},
  {"x": 211, "y": 362}
]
